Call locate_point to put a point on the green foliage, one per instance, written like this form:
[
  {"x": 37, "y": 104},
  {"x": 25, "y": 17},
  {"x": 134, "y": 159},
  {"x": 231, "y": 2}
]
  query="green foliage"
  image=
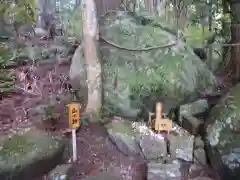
[
  {"x": 72, "y": 20},
  {"x": 26, "y": 9},
  {"x": 18, "y": 12},
  {"x": 6, "y": 79},
  {"x": 195, "y": 36}
]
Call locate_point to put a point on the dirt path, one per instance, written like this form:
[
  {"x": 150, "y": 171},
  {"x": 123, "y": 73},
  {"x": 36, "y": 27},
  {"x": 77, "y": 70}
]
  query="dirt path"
[{"x": 96, "y": 153}]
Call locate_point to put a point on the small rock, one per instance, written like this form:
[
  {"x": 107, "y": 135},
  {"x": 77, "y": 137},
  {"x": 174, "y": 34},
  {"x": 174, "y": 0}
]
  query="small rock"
[
  {"x": 181, "y": 147},
  {"x": 192, "y": 124},
  {"x": 123, "y": 135},
  {"x": 61, "y": 172},
  {"x": 157, "y": 171},
  {"x": 195, "y": 108},
  {"x": 40, "y": 32},
  {"x": 103, "y": 176},
  {"x": 202, "y": 178},
  {"x": 179, "y": 130},
  {"x": 153, "y": 147},
  {"x": 200, "y": 156},
  {"x": 195, "y": 168},
  {"x": 198, "y": 143}
]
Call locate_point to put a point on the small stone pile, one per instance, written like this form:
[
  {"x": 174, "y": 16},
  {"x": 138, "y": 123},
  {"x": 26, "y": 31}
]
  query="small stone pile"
[{"x": 174, "y": 156}]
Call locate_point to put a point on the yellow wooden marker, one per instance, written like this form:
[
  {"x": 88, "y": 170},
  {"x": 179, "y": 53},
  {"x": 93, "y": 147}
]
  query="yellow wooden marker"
[
  {"x": 74, "y": 123},
  {"x": 163, "y": 125},
  {"x": 160, "y": 123},
  {"x": 158, "y": 116},
  {"x": 74, "y": 115}
]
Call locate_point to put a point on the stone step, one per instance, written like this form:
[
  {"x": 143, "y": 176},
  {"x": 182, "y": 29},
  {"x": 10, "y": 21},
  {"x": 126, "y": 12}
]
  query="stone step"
[{"x": 193, "y": 125}]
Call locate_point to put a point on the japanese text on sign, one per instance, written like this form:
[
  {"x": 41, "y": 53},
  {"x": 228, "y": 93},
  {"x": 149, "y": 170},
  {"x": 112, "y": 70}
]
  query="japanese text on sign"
[
  {"x": 161, "y": 124},
  {"x": 74, "y": 115}
]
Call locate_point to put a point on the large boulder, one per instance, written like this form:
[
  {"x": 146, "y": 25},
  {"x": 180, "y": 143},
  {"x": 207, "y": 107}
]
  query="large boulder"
[
  {"x": 223, "y": 137},
  {"x": 29, "y": 154},
  {"x": 144, "y": 60}
]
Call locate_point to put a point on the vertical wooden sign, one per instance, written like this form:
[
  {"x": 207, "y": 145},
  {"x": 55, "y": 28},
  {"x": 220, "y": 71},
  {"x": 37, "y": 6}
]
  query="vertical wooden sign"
[
  {"x": 162, "y": 124},
  {"x": 158, "y": 116},
  {"x": 74, "y": 123},
  {"x": 74, "y": 115}
]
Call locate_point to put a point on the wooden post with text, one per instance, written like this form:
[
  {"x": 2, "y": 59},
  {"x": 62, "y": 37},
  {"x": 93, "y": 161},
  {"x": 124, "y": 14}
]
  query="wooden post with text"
[
  {"x": 74, "y": 123},
  {"x": 160, "y": 123}
]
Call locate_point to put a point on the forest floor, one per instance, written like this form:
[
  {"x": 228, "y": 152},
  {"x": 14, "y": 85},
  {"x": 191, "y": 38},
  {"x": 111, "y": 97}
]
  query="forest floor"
[{"x": 95, "y": 151}]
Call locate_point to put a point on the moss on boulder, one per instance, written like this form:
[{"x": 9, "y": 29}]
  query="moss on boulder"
[
  {"x": 29, "y": 154},
  {"x": 222, "y": 135},
  {"x": 144, "y": 60}
]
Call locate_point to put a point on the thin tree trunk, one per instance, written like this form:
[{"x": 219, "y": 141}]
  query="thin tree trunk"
[
  {"x": 225, "y": 28},
  {"x": 149, "y": 5},
  {"x": 93, "y": 66},
  {"x": 234, "y": 65},
  {"x": 40, "y": 13},
  {"x": 210, "y": 49},
  {"x": 183, "y": 9}
]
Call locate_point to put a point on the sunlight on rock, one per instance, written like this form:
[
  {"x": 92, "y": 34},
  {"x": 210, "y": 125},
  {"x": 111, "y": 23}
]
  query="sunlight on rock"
[
  {"x": 179, "y": 130},
  {"x": 144, "y": 130},
  {"x": 232, "y": 160}
]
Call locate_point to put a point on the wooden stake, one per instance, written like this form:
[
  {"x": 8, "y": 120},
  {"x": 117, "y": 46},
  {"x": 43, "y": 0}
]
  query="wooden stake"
[
  {"x": 74, "y": 144},
  {"x": 162, "y": 124},
  {"x": 74, "y": 123},
  {"x": 158, "y": 111}
]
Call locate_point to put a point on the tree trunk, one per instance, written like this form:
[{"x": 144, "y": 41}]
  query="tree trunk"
[
  {"x": 93, "y": 66},
  {"x": 160, "y": 7},
  {"x": 234, "y": 64},
  {"x": 182, "y": 16},
  {"x": 210, "y": 49},
  {"x": 40, "y": 13},
  {"x": 149, "y": 6},
  {"x": 225, "y": 28}
]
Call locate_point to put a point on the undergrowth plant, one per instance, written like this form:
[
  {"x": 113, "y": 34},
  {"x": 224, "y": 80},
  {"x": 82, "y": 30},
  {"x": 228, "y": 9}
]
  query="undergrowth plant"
[
  {"x": 6, "y": 78},
  {"x": 16, "y": 14}
]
